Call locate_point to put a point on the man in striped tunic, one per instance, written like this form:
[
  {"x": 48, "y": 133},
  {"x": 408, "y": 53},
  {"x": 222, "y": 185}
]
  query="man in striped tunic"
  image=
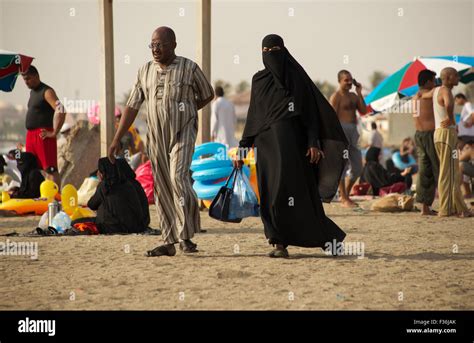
[{"x": 173, "y": 88}]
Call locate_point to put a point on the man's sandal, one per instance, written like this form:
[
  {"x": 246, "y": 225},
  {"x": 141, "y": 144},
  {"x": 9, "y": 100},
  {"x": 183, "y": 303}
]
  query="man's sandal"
[{"x": 188, "y": 247}]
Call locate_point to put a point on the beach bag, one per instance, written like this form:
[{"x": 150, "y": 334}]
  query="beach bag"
[
  {"x": 397, "y": 187},
  {"x": 243, "y": 202},
  {"x": 220, "y": 205},
  {"x": 144, "y": 176}
]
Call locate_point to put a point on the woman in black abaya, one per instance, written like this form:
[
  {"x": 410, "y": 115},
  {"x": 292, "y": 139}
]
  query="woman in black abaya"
[
  {"x": 31, "y": 177},
  {"x": 300, "y": 152},
  {"x": 118, "y": 205}
]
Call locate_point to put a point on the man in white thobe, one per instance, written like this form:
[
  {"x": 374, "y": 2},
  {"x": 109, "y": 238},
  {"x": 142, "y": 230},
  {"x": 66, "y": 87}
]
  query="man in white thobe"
[{"x": 223, "y": 120}]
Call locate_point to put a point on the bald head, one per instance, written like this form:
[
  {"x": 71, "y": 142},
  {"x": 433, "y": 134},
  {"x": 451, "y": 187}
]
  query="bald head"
[
  {"x": 165, "y": 34},
  {"x": 449, "y": 76},
  {"x": 446, "y": 72},
  {"x": 163, "y": 44}
]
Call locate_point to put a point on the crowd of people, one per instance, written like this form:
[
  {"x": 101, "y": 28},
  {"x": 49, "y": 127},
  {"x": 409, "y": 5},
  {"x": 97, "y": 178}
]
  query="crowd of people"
[{"x": 308, "y": 148}]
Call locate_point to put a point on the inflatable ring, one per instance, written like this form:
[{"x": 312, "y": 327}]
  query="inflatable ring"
[
  {"x": 209, "y": 163},
  {"x": 210, "y": 148},
  {"x": 207, "y": 191},
  {"x": 212, "y": 174}
]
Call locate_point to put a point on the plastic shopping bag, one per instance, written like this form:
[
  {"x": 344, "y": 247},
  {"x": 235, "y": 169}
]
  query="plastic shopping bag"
[{"x": 244, "y": 202}]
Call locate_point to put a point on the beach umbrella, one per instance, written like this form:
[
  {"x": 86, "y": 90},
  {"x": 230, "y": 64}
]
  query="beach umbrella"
[
  {"x": 404, "y": 82},
  {"x": 11, "y": 64},
  {"x": 468, "y": 76}
]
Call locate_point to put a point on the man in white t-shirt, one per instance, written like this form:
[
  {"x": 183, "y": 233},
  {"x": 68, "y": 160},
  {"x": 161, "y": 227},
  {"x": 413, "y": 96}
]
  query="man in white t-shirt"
[{"x": 466, "y": 124}]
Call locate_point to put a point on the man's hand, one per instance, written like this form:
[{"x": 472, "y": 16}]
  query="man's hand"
[
  {"x": 128, "y": 116},
  {"x": 114, "y": 149},
  {"x": 446, "y": 123},
  {"x": 315, "y": 154},
  {"x": 425, "y": 95},
  {"x": 47, "y": 134},
  {"x": 359, "y": 89}
]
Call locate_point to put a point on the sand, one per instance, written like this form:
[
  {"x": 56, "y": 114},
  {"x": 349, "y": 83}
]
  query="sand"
[{"x": 410, "y": 262}]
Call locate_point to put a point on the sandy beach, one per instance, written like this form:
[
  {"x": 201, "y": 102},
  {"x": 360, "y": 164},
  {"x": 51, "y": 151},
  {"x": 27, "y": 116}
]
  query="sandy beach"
[{"x": 409, "y": 263}]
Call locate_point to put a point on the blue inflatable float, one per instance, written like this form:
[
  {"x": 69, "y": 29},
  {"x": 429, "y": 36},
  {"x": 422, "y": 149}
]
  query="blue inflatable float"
[
  {"x": 207, "y": 189},
  {"x": 211, "y": 166},
  {"x": 217, "y": 150},
  {"x": 212, "y": 174}
]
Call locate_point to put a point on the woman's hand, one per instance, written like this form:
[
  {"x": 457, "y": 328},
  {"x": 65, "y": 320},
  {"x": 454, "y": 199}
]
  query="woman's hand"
[
  {"x": 314, "y": 154},
  {"x": 238, "y": 163}
]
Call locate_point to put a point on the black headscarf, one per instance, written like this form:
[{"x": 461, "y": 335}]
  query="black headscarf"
[
  {"x": 270, "y": 95},
  {"x": 283, "y": 81},
  {"x": 110, "y": 174},
  {"x": 124, "y": 169},
  {"x": 31, "y": 177},
  {"x": 26, "y": 163}
]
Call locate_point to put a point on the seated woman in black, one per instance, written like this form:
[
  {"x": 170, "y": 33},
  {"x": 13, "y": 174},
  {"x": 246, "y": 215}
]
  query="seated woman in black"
[
  {"x": 375, "y": 174},
  {"x": 116, "y": 201},
  {"x": 31, "y": 177},
  {"x": 125, "y": 169}
]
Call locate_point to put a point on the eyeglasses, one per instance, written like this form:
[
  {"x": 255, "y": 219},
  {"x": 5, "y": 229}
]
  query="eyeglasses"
[{"x": 157, "y": 46}]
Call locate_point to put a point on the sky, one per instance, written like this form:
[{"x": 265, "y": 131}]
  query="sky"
[{"x": 324, "y": 36}]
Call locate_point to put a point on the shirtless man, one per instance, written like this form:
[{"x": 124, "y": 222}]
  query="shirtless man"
[
  {"x": 345, "y": 104},
  {"x": 427, "y": 158}
]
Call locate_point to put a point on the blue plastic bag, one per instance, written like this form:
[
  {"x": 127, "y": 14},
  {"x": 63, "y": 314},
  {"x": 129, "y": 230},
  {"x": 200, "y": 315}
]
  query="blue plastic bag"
[{"x": 243, "y": 202}]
